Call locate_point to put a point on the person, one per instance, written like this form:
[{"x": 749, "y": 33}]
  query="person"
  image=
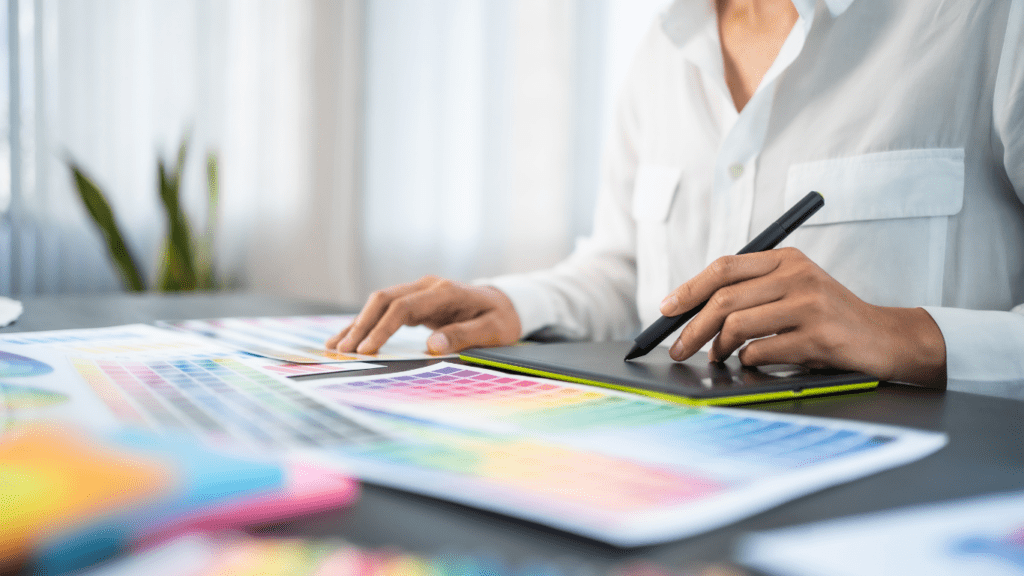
[{"x": 907, "y": 116}]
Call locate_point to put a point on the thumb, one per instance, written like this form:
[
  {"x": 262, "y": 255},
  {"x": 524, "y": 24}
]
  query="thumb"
[{"x": 480, "y": 331}]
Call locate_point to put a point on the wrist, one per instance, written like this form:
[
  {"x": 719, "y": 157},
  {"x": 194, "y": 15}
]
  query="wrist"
[
  {"x": 919, "y": 349},
  {"x": 506, "y": 310}
]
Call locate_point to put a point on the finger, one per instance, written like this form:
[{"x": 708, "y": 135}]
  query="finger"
[
  {"x": 722, "y": 272},
  {"x": 409, "y": 310},
  {"x": 485, "y": 330},
  {"x": 333, "y": 341},
  {"x": 723, "y": 303},
  {"x": 375, "y": 307},
  {"x": 785, "y": 348},
  {"x": 739, "y": 327}
]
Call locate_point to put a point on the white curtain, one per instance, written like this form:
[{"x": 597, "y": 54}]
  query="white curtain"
[
  {"x": 361, "y": 142},
  {"x": 271, "y": 86},
  {"x": 485, "y": 122}
]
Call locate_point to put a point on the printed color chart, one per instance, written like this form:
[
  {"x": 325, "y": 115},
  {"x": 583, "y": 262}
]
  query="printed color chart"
[
  {"x": 238, "y": 554},
  {"x": 626, "y": 469},
  {"x": 301, "y": 339},
  {"x": 218, "y": 398},
  {"x": 595, "y": 418}
]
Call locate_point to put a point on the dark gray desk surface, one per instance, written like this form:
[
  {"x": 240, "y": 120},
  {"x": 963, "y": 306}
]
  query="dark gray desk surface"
[{"x": 985, "y": 454}]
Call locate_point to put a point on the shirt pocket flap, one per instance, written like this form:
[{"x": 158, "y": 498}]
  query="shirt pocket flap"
[
  {"x": 884, "y": 185},
  {"x": 653, "y": 191}
]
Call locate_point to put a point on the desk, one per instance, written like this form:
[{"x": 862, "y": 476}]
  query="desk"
[{"x": 985, "y": 454}]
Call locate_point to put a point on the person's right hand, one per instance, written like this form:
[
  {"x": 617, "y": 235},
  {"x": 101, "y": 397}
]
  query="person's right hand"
[{"x": 461, "y": 315}]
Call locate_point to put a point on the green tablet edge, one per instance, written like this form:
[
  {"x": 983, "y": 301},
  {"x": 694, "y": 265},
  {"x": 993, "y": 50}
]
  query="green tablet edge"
[{"x": 719, "y": 401}]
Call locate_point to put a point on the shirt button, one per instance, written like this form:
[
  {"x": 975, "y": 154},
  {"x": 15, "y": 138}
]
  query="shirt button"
[{"x": 736, "y": 171}]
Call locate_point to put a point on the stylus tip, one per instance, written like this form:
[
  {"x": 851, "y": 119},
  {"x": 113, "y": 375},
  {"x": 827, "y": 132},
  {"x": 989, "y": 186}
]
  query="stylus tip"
[{"x": 636, "y": 352}]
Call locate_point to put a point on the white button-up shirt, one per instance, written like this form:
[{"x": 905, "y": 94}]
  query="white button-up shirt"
[{"x": 907, "y": 116}]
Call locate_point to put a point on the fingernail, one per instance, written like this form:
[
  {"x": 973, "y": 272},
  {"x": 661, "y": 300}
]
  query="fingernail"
[
  {"x": 437, "y": 343},
  {"x": 669, "y": 305},
  {"x": 676, "y": 351}
]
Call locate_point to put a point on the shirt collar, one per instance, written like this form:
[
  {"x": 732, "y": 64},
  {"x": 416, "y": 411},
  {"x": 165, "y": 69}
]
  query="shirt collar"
[{"x": 684, "y": 19}]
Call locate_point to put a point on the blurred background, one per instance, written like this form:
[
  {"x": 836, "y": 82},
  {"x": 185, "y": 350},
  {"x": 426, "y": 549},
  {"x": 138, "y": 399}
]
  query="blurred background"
[{"x": 357, "y": 143}]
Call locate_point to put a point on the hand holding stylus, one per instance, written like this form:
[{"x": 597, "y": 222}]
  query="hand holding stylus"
[
  {"x": 781, "y": 308},
  {"x": 798, "y": 314}
]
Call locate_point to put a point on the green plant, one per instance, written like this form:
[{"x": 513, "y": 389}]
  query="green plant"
[{"x": 186, "y": 264}]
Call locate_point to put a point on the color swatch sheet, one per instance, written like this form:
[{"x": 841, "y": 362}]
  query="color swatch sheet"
[
  {"x": 137, "y": 341},
  {"x": 624, "y": 469},
  {"x": 979, "y": 536},
  {"x": 301, "y": 339},
  {"x": 158, "y": 379},
  {"x": 225, "y": 553}
]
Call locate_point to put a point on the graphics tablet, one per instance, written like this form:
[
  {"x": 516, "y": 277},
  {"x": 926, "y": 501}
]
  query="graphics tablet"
[{"x": 656, "y": 374}]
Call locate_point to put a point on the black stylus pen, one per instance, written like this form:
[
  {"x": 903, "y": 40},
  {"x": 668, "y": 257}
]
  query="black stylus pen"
[{"x": 770, "y": 238}]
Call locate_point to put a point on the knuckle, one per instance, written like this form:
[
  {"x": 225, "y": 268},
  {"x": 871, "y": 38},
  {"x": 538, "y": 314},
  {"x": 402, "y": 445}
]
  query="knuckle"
[
  {"x": 826, "y": 339},
  {"x": 791, "y": 253},
  {"x": 733, "y": 328},
  {"x": 723, "y": 299},
  {"x": 443, "y": 285},
  {"x": 812, "y": 305},
  {"x": 723, "y": 266},
  {"x": 400, "y": 307},
  {"x": 378, "y": 297},
  {"x": 820, "y": 302},
  {"x": 751, "y": 354}
]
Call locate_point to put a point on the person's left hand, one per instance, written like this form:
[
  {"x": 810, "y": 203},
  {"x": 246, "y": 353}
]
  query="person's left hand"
[{"x": 795, "y": 313}]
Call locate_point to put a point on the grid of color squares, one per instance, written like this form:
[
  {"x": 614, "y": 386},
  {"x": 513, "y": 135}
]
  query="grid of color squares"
[
  {"x": 219, "y": 398},
  {"x": 243, "y": 555},
  {"x": 540, "y": 475},
  {"x": 535, "y": 405},
  {"x": 263, "y": 337}
]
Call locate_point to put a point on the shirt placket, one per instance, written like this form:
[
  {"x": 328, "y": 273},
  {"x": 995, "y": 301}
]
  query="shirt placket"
[{"x": 735, "y": 166}]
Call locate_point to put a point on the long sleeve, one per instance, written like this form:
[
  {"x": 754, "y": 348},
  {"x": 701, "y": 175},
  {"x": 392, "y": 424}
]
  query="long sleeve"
[{"x": 988, "y": 346}]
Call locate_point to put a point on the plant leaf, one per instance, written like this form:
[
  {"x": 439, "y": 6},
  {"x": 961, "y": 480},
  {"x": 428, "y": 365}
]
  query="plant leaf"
[
  {"x": 204, "y": 252},
  {"x": 98, "y": 207},
  {"x": 180, "y": 272}
]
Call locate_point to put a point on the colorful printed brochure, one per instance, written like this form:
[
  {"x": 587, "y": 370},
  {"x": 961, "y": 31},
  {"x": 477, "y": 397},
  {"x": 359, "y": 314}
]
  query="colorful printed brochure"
[{"x": 71, "y": 500}]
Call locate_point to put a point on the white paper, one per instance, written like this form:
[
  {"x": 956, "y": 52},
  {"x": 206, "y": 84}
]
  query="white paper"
[
  {"x": 10, "y": 310},
  {"x": 301, "y": 339},
  {"x": 976, "y": 537}
]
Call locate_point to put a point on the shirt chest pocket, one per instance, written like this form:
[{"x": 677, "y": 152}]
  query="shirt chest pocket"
[{"x": 883, "y": 230}]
